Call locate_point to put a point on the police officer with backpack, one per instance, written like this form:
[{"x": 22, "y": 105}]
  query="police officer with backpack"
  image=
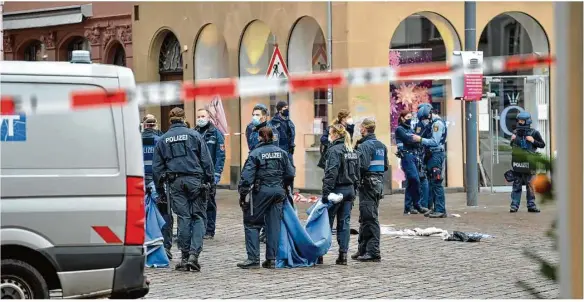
[
  {"x": 265, "y": 173},
  {"x": 434, "y": 140},
  {"x": 216, "y": 144},
  {"x": 528, "y": 140},
  {"x": 151, "y": 136},
  {"x": 182, "y": 161},
  {"x": 373, "y": 164}
]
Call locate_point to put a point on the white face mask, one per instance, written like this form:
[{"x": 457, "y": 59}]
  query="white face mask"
[
  {"x": 425, "y": 122},
  {"x": 330, "y": 139},
  {"x": 202, "y": 122},
  {"x": 350, "y": 121}
]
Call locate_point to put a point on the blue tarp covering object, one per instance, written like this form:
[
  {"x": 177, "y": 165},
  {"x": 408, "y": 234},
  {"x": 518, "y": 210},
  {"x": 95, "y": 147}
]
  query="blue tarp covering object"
[
  {"x": 301, "y": 245},
  {"x": 155, "y": 253}
]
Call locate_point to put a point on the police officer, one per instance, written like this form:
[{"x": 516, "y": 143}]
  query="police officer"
[
  {"x": 341, "y": 176},
  {"x": 267, "y": 171},
  {"x": 182, "y": 160},
  {"x": 344, "y": 118},
  {"x": 528, "y": 139},
  {"x": 433, "y": 139},
  {"x": 216, "y": 144},
  {"x": 154, "y": 128},
  {"x": 422, "y": 171},
  {"x": 259, "y": 119},
  {"x": 150, "y": 136},
  {"x": 408, "y": 150},
  {"x": 373, "y": 164},
  {"x": 282, "y": 122}
]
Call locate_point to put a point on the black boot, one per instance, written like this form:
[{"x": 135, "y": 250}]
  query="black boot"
[
  {"x": 513, "y": 210},
  {"x": 270, "y": 264},
  {"x": 249, "y": 264},
  {"x": 369, "y": 258},
  {"x": 533, "y": 210},
  {"x": 437, "y": 215},
  {"x": 208, "y": 236},
  {"x": 320, "y": 260},
  {"x": 193, "y": 263},
  {"x": 168, "y": 253},
  {"x": 342, "y": 260},
  {"x": 422, "y": 210},
  {"x": 356, "y": 255},
  {"x": 182, "y": 266},
  {"x": 428, "y": 213}
]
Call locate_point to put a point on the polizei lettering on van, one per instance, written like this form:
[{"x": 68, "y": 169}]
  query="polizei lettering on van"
[
  {"x": 176, "y": 138},
  {"x": 271, "y": 155}
]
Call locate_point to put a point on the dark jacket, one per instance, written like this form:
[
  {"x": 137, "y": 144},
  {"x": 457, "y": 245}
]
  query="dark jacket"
[
  {"x": 341, "y": 168},
  {"x": 216, "y": 144},
  {"x": 372, "y": 155},
  {"x": 324, "y": 144},
  {"x": 252, "y": 134},
  {"x": 520, "y": 140},
  {"x": 182, "y": 151},
  {"x": 149, "y": 139},
  {"x": 267, "y": 165},
  {"x": 287, "y": 132}
]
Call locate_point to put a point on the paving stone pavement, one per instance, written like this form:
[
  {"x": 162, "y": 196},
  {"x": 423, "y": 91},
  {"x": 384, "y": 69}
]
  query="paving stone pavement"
[{"x": 410, "y": 268}]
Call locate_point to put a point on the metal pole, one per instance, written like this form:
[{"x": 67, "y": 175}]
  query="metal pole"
[
  {"x": 329, "y": 54},
  {"x": 1, "y": 31},
  {"x": 472, "y": 179}
]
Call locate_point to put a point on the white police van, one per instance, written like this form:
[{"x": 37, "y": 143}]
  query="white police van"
[{"x": 72, "y": 196}]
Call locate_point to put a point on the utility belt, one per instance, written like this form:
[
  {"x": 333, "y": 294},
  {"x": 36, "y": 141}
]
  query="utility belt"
[
  {"x": 402, "y": 153},
  {"x": 172, "y": 176},
  {"x": 436, "y": 149}
]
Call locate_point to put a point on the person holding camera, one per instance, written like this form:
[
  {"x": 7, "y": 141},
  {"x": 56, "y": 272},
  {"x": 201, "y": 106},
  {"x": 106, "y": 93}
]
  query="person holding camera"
[{"x": 526, "y": 139}]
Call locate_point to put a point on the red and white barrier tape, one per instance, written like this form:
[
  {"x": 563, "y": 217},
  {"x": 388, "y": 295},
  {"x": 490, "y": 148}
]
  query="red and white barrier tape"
[
  {"x": 172, "y": 93},
  {"x": 300, "y": 198}
]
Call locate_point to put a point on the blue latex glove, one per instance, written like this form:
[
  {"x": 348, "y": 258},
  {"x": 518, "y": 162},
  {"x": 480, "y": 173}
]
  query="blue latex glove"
[{"x": 217, "y": 178}]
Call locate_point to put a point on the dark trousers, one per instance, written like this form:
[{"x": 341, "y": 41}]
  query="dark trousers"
[
  {"x": 369, "y": 230},
  {"x": 434, "y": 169},
  {"x": 265, "y": 210},
  {"x": 412, "y": 195},
  {"x": 190, "y": 207},
  {"x": 520, "y": 181},
  {"x": 342, "y": 211},
  {"x": 211, "y": 214}
]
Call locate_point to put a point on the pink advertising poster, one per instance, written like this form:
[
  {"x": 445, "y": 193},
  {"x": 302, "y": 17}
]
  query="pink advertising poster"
[{"x": 217, "y": 114}]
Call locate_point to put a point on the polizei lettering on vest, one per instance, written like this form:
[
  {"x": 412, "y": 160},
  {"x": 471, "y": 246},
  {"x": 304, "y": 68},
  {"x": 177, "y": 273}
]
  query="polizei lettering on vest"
[
  {"x": 176, "y": 138},
  {"x": 521, "y": 165},
  {"x": 149, "y": 149},
  {"x": 271, "y": 155},
  {"x": 380, "y": 152},
  {"x": 351, "y": 156}
]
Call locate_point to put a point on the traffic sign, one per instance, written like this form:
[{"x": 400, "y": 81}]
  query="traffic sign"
[{"x": 277, "y": 67}]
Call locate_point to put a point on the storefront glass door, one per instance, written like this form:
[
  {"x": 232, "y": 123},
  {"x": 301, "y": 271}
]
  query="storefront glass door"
[{"x": 506, "y": 97}]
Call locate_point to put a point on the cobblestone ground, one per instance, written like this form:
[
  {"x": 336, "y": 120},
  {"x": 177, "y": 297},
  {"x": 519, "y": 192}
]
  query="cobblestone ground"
[{"x": 410, "y": 268}]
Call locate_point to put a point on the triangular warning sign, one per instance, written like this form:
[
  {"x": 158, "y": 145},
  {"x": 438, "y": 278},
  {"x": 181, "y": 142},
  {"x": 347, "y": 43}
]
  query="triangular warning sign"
[
  {"x": 277, "y": 67},
  {"x": 319, "y": 57}
]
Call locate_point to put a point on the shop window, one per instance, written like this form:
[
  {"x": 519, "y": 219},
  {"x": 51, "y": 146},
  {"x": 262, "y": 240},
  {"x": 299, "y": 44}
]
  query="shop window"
[
  {"x": 170, "y": 60},
  {"x": 34, "y": 51}
]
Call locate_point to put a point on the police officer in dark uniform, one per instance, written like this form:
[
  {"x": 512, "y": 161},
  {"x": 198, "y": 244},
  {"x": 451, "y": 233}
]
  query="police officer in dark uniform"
[
  {"x": 527, "y": 139},
  {"x": 267, "y": 171},
  {"x": 182, "y": 160},
  {"x": 154, "y": 128},
  {"x": 281, "y": 121},
  {"x": 150, "y": 136},
  {"x": 373, "y": 163},
  {"x": 216, "y": 144},
  {"x": 344, "y": 118},
  {"x": 259, "y": 119},
  {"x": 434, "y": 140},
  {"x": 408, "y": 150},
  {"x": 341, "y": 176}
]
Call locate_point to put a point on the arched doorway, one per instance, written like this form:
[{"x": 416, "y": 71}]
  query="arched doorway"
[
  {"x": 255, "y": 50},
  {"x": 33, "y": 51},
  {"x": 116, "y": 54},
  {"x": 510, "y": 34},
  {"x": 211, "y": 61},
  {"x": 426, "y": 37},
  {"x": 73, "y": 43},
  {"x": 308, "y": 110},
  {"x": 170, "y": 68}
]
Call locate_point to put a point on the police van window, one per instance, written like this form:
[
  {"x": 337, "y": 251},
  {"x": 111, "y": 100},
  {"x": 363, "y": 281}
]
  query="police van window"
[{"x": 59, "y": 144}]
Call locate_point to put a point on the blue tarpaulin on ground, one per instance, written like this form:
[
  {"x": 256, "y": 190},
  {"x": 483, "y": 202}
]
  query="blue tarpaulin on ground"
[
  {"x": 301, "y": 245},
  {"x": 153, "y": 243}
]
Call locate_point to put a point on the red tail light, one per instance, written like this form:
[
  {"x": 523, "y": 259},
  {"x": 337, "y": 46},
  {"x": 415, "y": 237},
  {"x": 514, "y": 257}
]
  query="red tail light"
[{"x": 134, "y": 211}]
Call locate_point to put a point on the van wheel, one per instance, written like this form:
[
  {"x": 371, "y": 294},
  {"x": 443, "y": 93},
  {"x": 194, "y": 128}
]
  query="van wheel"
[{"x": 22, "y": 281}]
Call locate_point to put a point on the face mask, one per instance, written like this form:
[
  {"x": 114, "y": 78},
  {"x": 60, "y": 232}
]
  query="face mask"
[
  {"x": 202, "y": 122},
  {"x": 425, "y": 122},
  {"x": 285, "y": 112},
  {"x": 330, "y": 139},
  {"x": 350, "y": 121},
  {"x": 255, "y": 120},
  {"x": 408, "y": 122}
]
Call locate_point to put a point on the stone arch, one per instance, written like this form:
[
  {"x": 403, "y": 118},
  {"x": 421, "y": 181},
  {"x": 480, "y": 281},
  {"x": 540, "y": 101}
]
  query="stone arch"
[
  {"x": 424, "y": 37},
  {"x": 210, "y": 56},
  {"x": 71, "y": 42},
  {"x": 154, "y": 49},
  {"x": 115, "y": 53},
  {"x": 24, "y": 52},
  {"x": 307, "y": 52}
]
